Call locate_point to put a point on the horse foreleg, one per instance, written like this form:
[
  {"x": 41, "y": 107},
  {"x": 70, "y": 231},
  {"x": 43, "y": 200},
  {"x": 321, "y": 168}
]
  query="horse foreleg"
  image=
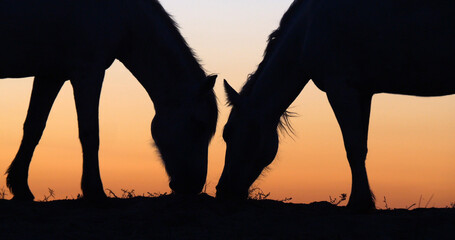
[
  {"x": 44, "y": 92},
  {"x": 352, "y": 110},
  {"x": 87, "y": 90}
]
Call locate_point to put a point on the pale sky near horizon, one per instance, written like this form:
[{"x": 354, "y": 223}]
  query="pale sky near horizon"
[{"x": 411, "y": 144}]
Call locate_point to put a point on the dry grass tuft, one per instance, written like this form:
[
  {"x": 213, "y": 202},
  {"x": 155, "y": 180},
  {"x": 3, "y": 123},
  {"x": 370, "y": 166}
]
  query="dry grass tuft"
[
  {"x": 429, "y": 200},
  {"x": 126, "y": 194},
  {"x": 341, "y": 199},
  {"x": 386, "y": 205},
  {"x": 111, "y": 193},
  {"x": 51, "y": 195},
  {"x": 256, "y": 193}
]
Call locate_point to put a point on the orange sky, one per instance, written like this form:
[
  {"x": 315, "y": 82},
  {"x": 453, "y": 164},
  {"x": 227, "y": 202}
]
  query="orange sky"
[{"x": 411, "y": 145}]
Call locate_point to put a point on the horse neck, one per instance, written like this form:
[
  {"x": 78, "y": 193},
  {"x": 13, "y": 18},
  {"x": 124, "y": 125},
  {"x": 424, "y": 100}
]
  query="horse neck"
[
  {"x": 158, "y": 56},
  {"x": 280, "y": 77}
]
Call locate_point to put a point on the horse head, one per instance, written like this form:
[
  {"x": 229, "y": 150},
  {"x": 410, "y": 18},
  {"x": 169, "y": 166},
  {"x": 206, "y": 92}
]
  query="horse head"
[
  {"x": 252, "y": 143},
  {"x": 182, "y": 135}
]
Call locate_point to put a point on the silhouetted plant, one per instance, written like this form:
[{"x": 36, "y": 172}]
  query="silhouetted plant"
[
  {"x": 286, "y": 199},
  {"x": 386, "y": 205},
  {"x": 429, "y": 200},
  {"x": 341, "y": 199},
  {"x": 78, "y": 196},
  {"x": 257, "y": 194},
  {"x": 128, "y": 193},
  {"x": 158, "y": 194},
  {"x": 111, "y": 193},
  {"x": 51, "y": 195},
  {"x": 412, "y": 205}
]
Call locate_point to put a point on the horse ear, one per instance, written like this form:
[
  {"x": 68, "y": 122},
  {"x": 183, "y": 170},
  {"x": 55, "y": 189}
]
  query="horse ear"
[
  {"x": 232, "y": 96},
  {"x": 210, "y": 82}
]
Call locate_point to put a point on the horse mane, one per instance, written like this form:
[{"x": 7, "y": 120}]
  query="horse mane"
[
  {"x": 172, "y": 24},
  {"x": 284, "y": 125}
]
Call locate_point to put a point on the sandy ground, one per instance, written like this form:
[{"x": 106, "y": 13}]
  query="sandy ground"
[{"x": 203, "y": 217}]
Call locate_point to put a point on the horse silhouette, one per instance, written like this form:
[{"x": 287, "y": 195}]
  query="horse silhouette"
[
  {"x": 351, "y": 50},
  {"x": 78, "y": 40}
]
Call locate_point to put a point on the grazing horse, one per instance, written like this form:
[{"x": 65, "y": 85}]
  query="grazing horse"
[
  {"x": 351, "y": 49},
  {"x": 77, "y": 40}
]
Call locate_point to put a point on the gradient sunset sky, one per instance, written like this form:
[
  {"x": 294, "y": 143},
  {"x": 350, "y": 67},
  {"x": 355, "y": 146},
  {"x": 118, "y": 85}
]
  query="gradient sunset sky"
[{"x": 411, "y": 143}]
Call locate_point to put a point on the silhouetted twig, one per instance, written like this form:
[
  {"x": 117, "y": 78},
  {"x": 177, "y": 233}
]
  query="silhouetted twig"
[
  {"x": 51, "y": 195},
  {"x": 334, "y": 201},
  {"x": 257, "y": 194},
  {"x": 386, "y": 205},
  {"x": 429, "y": 200},
  {"x": 412, "y": 205},
  {"x": 286, "y": 199},
  {"x": 128, "y": 193},
  {"x": 158, "y": 194},
  {"x": 111, "y": 193}
]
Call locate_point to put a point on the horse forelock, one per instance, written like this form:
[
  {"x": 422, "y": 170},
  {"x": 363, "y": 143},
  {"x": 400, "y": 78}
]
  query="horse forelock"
[{"x": 284, "y": 124}]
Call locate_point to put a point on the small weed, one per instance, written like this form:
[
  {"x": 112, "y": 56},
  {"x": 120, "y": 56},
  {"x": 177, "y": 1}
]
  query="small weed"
[
  {"x": 412, "y": 205},
  {"x": 128, "y": 193},
  {"x": 286, "y": 199},
  {"x": 429, "y": 200},
  {"x": 341, "y": 199},
  {"x": 111, "y": 193},
  {"x": 256, "y": 193},
  {"x": 158, "y": 194},
  {"x": 51, "y": 195},
  {"x": 386, "y": 205}
]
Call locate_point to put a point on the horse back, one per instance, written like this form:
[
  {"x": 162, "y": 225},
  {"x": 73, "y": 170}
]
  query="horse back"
[
  {"x": 405, "y": 47},
  {"x": 58, "y": 36}
]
